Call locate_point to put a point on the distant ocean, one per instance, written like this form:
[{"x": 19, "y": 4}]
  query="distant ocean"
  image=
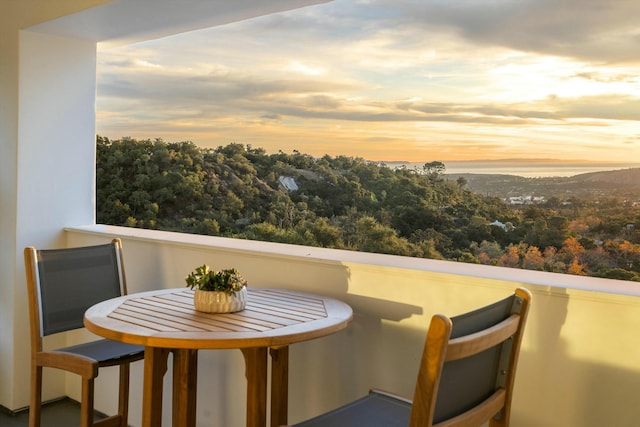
[{"x": 533, "y": 169}]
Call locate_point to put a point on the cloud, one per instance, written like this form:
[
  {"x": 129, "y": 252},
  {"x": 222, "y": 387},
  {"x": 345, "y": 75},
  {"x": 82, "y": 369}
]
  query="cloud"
[
  {"x": 590, "y": 30},
  {"x": 605, "y": 78},
  {"x": 396, "y": 76},
  {"x": 297, "y": 66},
  {"x": 229, "y": 93}
]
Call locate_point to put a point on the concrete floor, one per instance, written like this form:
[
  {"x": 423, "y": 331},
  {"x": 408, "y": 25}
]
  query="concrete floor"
[{"x": 61, "y": 413}]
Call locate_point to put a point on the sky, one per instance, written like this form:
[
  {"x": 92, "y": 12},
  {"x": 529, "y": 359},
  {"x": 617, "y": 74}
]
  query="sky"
[{"x": 392, "y": 80}]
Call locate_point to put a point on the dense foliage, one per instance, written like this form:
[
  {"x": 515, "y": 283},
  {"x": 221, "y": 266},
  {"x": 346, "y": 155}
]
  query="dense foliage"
[{"x": 348, "y": 203}]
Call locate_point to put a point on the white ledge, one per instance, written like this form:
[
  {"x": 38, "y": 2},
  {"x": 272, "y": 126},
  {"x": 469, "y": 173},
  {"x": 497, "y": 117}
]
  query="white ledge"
[{"x": 280, "y": 250}]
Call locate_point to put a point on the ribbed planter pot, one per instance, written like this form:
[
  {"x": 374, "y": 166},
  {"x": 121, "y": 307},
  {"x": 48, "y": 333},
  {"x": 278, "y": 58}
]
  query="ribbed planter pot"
[{"x": 219, "y": 302}]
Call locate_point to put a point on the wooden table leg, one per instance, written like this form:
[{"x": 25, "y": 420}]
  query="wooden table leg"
[
  {"x": 155, "y": 366},
  {"x": 185, "y": 386},
  {"x": 255, "y": 360},
  {"x": 279, "y": 385}
]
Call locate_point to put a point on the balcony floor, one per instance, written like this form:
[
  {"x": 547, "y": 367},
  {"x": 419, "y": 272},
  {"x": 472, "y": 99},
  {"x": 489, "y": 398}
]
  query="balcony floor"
[{"x": 63, "y": 412}]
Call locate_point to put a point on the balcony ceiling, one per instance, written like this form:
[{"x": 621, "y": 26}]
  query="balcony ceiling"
[{"x": 128, "y": 21}]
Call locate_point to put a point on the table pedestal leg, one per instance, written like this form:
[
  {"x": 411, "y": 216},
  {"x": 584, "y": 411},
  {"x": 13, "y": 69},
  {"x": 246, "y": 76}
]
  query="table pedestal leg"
[
  {"x": 185, "y": 387},
  {"x": 279, "y": 385},
  {"x": 255, "y": 360},
  {"x": 155, "y": 366}
]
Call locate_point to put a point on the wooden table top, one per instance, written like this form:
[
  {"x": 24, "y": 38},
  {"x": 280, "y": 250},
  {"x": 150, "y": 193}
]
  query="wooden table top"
[{"x": 166, "y": 318}]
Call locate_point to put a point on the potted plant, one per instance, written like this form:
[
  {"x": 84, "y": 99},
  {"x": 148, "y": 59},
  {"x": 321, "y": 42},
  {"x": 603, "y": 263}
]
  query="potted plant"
[{"x": 223, "y": 291}]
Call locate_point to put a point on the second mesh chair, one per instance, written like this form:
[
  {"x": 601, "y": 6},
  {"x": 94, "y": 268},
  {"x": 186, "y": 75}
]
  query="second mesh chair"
[
  {"x": 465, "y": 378},
  {"x": 62, "y": 284}
]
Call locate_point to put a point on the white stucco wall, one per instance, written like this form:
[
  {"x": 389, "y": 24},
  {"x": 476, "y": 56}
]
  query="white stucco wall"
[
  {"x": 8, "y": 194},
  {"x": 47, "y": 93},
  {"x": 55, "y": 153}
]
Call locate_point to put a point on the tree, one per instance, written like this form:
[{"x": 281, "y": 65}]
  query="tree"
[
  {"x": 622, "y": 274},
  {"x": 374, "y": 237},
  {"x": 434, "y": 168},
  {"x": 571, "y": 251},
  {"x": 319, "y": 232},
  {"x": 461, "y": 181},
  {"x": 625, "y": 254},
  {"x": 533, "y": 259},
  {"x": 576, "y": 268},
  {"x": 511, "y": 257},
  {"x": 487, "y": 252},
  {"x": 352, "y": 203}
]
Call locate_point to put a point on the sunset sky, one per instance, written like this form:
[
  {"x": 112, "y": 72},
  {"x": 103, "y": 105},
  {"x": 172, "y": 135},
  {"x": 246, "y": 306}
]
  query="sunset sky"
[{"x": 413, "y": 80}]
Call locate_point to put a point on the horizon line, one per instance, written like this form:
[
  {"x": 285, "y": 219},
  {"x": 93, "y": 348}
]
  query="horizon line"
[{"x": 521, "y": 161}]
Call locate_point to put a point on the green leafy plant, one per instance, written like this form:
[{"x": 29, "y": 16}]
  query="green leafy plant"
[{"x": 228, "y": 281}]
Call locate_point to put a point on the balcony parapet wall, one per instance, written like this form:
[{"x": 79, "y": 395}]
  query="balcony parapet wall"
[{"x": 579, "y": 358}]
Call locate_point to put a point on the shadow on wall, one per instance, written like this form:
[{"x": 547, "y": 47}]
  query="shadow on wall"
[
  {"x": 575, "y": 382},
  {"x": 554, "y": 377},
  {"x": 336, "y": 379}
]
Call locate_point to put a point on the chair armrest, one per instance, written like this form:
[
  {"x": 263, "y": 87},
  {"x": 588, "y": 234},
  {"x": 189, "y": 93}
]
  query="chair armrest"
[{"x": 78, "y": 364}]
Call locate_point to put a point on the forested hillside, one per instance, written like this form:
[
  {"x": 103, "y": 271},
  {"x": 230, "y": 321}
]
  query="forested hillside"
[
  {"x": 622, "y": 184},
  {"x": 349, "y": 203}
]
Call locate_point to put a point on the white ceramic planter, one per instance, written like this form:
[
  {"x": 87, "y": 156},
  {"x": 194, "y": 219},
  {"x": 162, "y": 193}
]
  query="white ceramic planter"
[{"x": 219, "y": 302}]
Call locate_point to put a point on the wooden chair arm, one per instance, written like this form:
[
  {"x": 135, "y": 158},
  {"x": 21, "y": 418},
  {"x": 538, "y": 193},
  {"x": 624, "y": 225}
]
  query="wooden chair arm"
[{"x": 78, "y": 364}]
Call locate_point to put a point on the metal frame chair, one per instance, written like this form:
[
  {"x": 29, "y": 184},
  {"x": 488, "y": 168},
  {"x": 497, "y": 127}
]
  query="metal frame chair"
[
  {"x": 466, "y": 374},
  {"x": 62, "y": 284}
]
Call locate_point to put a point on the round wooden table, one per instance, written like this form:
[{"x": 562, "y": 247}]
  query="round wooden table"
[{"x": 165, "y": 321}]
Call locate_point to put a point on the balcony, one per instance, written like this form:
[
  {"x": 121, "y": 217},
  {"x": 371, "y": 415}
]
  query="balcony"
[
  {"x": 580, "y": 363},
  {"x": 579, "y": 360}
]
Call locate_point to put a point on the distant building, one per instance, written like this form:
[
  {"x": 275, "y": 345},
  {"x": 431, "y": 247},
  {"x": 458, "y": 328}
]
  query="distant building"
[
  {"x": 288, "y": 183},
  {"x": 505, "y": 227},
  {"x": 519, "y": 200},
  {"x": 525, "y": 200}
]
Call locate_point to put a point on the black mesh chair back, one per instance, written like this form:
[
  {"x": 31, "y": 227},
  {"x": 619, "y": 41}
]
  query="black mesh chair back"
[
  {"x": 72, "y": 280},
  {"x": 467, "y": 382}
]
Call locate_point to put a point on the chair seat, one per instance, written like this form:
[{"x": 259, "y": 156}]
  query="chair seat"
[
  {"x": 373, "y": 410},
  {"x": 107, "y": 352}
]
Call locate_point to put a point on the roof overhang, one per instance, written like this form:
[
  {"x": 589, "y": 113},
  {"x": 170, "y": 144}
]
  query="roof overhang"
[{"x": 122, "y": 22}]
